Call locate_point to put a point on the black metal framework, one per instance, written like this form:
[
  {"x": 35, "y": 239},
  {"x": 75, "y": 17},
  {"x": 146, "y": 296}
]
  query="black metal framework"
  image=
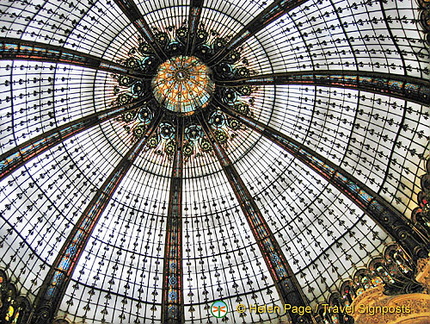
[
  {"x": 368, "y": 62},
  {"x": 55, "y": 284},
  {"x": 399, "y": 86},
  {"x": 19, "y": 49},
  {"x": 23, "y": 153},
  {"x": 284, "y": 278},
  {"x": 130, "y": 9},
  {"x": 395, "y": 224}
]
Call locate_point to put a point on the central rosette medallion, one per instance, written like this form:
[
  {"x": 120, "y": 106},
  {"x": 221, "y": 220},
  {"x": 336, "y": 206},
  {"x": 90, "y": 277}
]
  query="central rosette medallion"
[{"x": 183, "y": 84}]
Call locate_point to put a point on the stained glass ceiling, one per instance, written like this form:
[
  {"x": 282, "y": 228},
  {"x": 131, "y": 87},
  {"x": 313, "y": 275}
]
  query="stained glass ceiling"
[{"x": 159, "y": 156}]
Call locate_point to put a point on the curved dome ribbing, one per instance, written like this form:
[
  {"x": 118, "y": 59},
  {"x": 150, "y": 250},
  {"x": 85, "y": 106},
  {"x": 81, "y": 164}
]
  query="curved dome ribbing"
[{"x": 376, "y": 133}]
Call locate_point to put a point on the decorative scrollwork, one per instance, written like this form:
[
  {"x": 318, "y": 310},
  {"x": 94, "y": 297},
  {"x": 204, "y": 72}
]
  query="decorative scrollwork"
[
  {"x": 13, "y": 307},
  {"x": 421, "y": 214},
  {"x": 182, "y": 86},
  {"x": 425, "y": 18},
  {"x": 395, "y": 271}
]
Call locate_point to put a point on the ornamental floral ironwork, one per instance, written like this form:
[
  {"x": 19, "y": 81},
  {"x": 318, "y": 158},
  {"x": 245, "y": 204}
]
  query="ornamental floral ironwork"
[
  {"x": 181, "y": 87},
  {"x": 14, "y": 308},
  {"x": 421, "y": 214},
  {"x": 395, "y": 271}
]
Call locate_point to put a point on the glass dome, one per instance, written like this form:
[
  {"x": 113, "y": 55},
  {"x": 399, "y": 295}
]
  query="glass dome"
[
  {"x": 183, "y": 84},
  {"x": 170, "y": 161}
]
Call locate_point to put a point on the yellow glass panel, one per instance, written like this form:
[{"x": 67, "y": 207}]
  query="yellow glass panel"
[
  {"x": 9, "y": 313},
  {"x": 182, "y": 84}
]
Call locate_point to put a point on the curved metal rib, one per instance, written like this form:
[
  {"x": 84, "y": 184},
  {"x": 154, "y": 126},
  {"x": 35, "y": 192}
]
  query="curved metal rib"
[
  {"x": 173, "y": 301},
  {"x": 193, "y": 24},
  {"x": 55, "y": 284},
  {"x": 268, "y": 15},
  {"x": 387, "y": 217},
  {"x": 400, "y": 86},
  {"x": 283, "y": 276},
  {"x": 19, "y": 49},
  {"x": 19, "y": 155},
  {"x": 130, "y": 9}
]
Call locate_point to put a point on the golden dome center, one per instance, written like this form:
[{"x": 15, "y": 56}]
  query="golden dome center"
[
  {"x": 181, "y": 75},
  {"x": 183, "y": 84}
]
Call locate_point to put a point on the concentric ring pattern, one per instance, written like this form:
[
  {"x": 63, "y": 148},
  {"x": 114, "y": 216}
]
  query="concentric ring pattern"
[
  {"x": 117, "y": 210},
  {"x": 182, "y": 84}
]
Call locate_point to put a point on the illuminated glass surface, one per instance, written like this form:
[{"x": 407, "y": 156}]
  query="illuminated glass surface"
[
  {"x": 183, "y": 84},
  {"x": 380, "y": 139}
]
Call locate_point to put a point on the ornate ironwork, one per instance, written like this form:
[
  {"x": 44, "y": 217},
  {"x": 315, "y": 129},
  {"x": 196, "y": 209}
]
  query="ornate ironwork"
[
  {"x": 173, "y": 308},
  {"x": 19, "y": 49},
  {"x": 395, "y": 271},
  {"x": 394, "y": 223},
  {"x": 421, "y": 214},
  {"x": 425, "y": 19},
  {"x": 130, "y": 9},
  {"x": 19, "y": 155},
  {"x": 183, "y": 85},
  {"x": 14, "y": 308},
  {"x": 404, "y": 87},
  {"x": 281, "y": 272},
  {"x": 55, "y": 284}
]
